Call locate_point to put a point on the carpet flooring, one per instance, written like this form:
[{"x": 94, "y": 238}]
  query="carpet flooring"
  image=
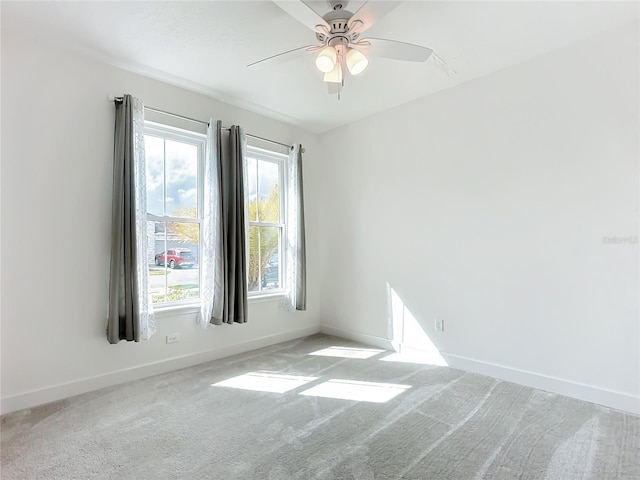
[{"x": 320, "y": 408}]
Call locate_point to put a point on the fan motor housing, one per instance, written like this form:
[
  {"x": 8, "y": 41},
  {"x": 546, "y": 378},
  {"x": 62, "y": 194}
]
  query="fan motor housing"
[
  {"x": 338, "y": 20},
  {"x": 338, "y": 4}
]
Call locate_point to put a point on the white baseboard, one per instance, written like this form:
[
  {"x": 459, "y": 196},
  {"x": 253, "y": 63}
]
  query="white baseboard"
[
  {"x": 357, "y": 337},
  {"x": 601, "y": 396},
  {"x": 66, "y": 390}
]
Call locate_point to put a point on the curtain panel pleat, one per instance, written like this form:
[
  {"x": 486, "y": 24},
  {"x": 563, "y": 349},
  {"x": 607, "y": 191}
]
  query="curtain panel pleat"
[
  {"x": 230, "y": 268},
  {"x": 129, "y": 312},
  {"x": 296, "y": 241},
  {"x": 211, "y": 238}
]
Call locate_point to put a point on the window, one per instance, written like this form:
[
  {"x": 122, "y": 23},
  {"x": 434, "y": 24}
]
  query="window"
[
  {"x": 174, "y": 162},
  {"x": 266, "y": 226}
]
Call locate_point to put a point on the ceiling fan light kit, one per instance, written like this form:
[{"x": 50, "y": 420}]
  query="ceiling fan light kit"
[
  {"x": 338, "y": 33},
  {"x": 326, "y": 60},
  {"x": 356, "y": 61},
  {"x": 335, "y": 75}
]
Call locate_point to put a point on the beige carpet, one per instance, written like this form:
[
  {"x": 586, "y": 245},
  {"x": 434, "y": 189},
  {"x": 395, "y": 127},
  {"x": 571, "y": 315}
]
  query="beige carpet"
[{"x": 391, "y": 420}]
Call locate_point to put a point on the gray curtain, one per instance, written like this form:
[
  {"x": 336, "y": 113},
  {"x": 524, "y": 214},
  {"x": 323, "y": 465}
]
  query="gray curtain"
[
  {"x": 230, "y": 289},
  {"x": 128, "y": 315}
]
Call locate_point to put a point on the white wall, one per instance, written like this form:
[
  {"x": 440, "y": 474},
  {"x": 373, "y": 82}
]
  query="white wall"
[
  {"x": 486, "y": 205},
  {"x": 57, "y": 144}
]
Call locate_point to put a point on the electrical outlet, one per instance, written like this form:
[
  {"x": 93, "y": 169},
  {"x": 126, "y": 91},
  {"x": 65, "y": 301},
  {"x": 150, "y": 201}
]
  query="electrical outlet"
[
  {"x": 439, "y": 325},
  {"x": 174, "y": 337}
]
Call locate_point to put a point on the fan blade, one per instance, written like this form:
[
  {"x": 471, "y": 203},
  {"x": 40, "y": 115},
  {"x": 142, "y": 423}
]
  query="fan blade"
[
  {"x": 303, "y": 13},
  {"x": 369, "y": 14},
  {"x": 284, "y": 56},
  {"x": 393, "y": 49}
]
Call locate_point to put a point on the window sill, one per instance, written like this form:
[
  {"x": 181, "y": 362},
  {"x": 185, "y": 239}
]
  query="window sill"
[
  {"x": 175, "y": 310},
  {"x": 267, "y": 297},
  {"x": 188, "y": 309}
]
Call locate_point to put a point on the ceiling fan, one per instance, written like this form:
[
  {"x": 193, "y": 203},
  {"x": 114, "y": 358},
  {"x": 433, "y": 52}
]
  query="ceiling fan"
[{"x": 340, "y": 47}]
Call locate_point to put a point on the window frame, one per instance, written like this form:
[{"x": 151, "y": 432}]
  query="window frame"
[
  {"x": 176, "y": 134},
  {"x": 192, "y": 137},
  {"x": 279, "y": 159}
]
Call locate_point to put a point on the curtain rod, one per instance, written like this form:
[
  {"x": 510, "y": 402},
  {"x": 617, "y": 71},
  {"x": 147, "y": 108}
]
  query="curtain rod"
[
  {"x": 182, "y": 117},
  {"x": 163, "y": 112},
  {"x": 207, "y": 123}
]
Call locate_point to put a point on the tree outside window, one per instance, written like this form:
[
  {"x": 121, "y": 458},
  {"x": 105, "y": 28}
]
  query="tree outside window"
[{"x": 265, "y": 176}]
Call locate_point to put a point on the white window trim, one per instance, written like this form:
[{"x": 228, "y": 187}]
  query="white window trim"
[
  {"x": 281, "y": 160},
  {"x": 184, "y": 307},
  {"x": 197, "y": 139}
]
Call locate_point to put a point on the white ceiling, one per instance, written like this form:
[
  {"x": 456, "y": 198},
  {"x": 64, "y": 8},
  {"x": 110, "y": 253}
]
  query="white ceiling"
[{"x": 206, "y": 46}]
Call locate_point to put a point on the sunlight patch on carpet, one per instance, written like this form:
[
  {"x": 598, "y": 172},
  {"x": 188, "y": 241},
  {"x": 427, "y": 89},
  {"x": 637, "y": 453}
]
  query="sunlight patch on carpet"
[
  {"x": 356, "y": 390},
  {"x": 265, "y": 382},
  {"x": 347, "y": 352}
]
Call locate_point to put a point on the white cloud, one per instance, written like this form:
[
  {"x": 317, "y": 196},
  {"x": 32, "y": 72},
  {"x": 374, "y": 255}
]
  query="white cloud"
[
  {"x": 181, "y": 163},
  {"x": 171, "y": 170},
  {"x": 188, "y": 196}
]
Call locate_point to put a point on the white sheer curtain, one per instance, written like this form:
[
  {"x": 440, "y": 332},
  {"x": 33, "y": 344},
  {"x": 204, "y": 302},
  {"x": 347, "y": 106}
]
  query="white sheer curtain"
[
  {"x": 210, "y": 230},
  {"x": 296, "y": 273},
  {"x": 147, "y": 317}
]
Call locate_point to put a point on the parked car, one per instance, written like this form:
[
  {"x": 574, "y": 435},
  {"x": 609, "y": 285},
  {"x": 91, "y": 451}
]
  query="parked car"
[{"x": 176, "y": 257}]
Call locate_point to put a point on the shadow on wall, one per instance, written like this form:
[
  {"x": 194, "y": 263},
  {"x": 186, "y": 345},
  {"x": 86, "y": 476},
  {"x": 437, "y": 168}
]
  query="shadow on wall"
[{"x": 408, "y": 337}]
